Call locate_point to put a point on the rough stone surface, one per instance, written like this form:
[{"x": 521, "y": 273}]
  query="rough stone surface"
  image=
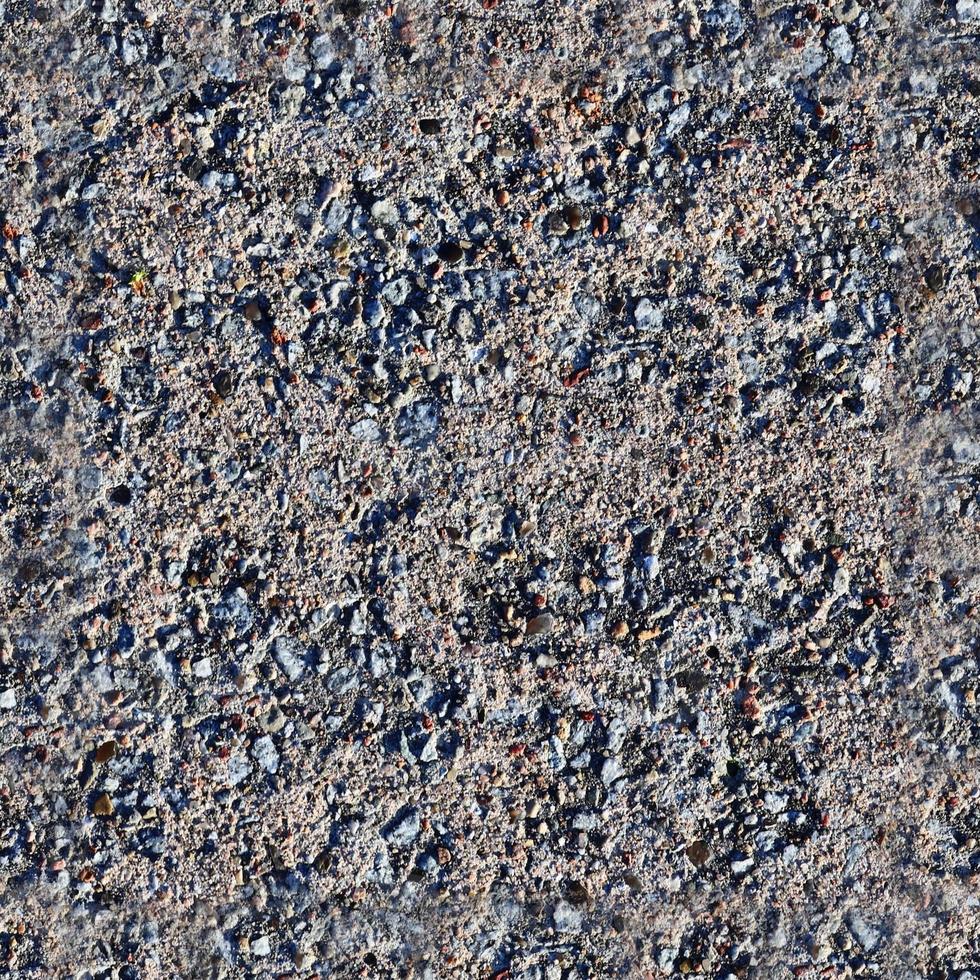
[{"x": 489, "y": 489}]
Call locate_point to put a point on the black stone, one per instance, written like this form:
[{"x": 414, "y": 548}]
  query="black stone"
[
  {"x": 224, "y": 383},
  {"x": 450, "y": 252},
  {"x": 122, "y": 495},
  {"x": 935, "y": 277}
]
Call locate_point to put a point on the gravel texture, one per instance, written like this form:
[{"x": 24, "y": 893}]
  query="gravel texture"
[{"x": 489, "y": 490}]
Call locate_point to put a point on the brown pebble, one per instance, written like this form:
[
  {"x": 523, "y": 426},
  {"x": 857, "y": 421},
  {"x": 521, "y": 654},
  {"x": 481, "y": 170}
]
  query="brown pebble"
[
  {"x": 105, "y": 751},
  {"x": 540, "y": 624},
  {"x": 103, "y": 807},
  {"x": 698, "y": 853}
]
